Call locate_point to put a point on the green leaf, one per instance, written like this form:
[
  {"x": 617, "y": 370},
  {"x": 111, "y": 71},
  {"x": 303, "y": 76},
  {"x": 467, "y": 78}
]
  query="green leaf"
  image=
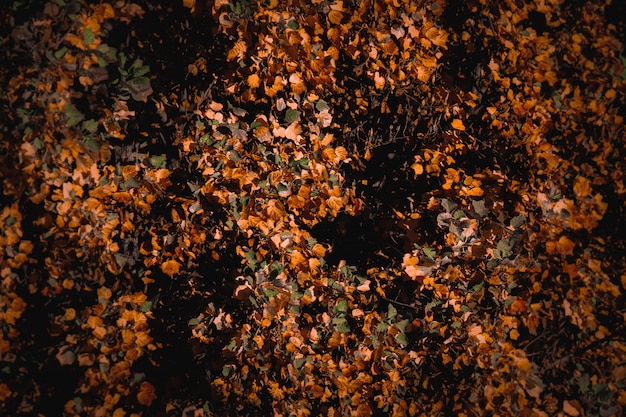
[
  {"x": 292, "y": 115},
  {"x": 59, "y": 54},
  {"x": 193, "y": 322},
  {"x": 402, "y": 324},
  {"x": 429, "y": 252},
  {"x": 90, "y": 125},
  {"x": 38, "y": 144},
  {"x": 140, "y": 81},
  {"x": 505, "y": 248},
  {"x": 270, "y": 292},
  {"x": 139, "y": 69},
  {"x": 88, "y": 36},
  {"x": 73, "y": 115},
  {"x": 109, "y": 54},
  {"x": 391, "y": 312},
  {"x": 598, "y": 388},
  {"x": 382, "y": 326},
  {"x": 334, "y": 179},
  {"x": 233, "y": 155},
  {"x": 139, "y": 88},
  {"x": 402, "y": 339},
  {"x": 342, "y": 325},
  {"x": 129, "y": 183},
  {"x": 158, "y": 161},
  {"x": 91, "y": 144},
  {"x": 448, "y": 205},
  {"x": 292, "y": 24},
  {"x": 146, "y": 306},
  {"x": 121, "y": 259},
  {"x": 518, "y": 221},
  {"x": 623, "y": 59},
  {"x": 341, "y": 307},
  {"x": 277, "y": 266},
  {"x": 583, "y": 383},
  {"x": 434, "y": 303},
  {"x": 479, "y": 207},
  {"x": 298, "y": 362},
  {"x": 321, "y": 105}
]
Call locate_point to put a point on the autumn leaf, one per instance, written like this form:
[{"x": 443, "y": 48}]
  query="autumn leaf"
[
  {"x": 254, "y": 81},
  {"x": 146, "y": 394},
  {"x": 565, "y": 246},
  {"x": 170, "y": 267},
  {"x": 582, "y": 187},
  {"x": 571, "y": 408},
  {"x": 312, "y": 109},
  {"x": 458, "y": 124}
]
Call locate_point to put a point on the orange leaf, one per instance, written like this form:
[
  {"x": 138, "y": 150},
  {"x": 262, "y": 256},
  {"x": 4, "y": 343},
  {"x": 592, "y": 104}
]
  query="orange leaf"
[
  {"x": 565, "y": 246},
  {"x": 458, "y": 124},
  {"x": 418, "y": 169},
  {"x": 254, "y": 81},
  {"x": 170, "y": 267},
  {"x": 582, "y": 187},
  {"x": 146, "y": 393},
  {"x": 570, "y": 408},
  {"x": 335, "y": 16}
]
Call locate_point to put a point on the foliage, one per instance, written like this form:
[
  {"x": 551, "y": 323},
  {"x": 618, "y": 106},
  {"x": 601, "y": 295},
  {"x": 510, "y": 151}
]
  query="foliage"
[{"x": 168, "y": 211}]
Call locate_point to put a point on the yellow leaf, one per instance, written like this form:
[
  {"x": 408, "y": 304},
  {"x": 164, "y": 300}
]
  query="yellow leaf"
[{"x": 458, "y": 124}]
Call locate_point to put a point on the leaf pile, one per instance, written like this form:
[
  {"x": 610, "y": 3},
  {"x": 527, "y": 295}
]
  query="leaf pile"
[{"x": 304, "y": 208}]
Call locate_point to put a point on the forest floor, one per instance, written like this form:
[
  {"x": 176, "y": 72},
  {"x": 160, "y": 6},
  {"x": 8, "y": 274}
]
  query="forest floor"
[{"x": 304, "y": 208}]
